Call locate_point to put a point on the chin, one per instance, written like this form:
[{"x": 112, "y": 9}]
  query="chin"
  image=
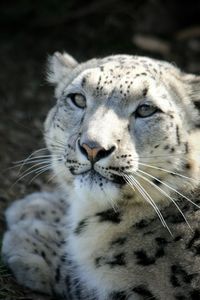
[{"x": 93, "y": 187}]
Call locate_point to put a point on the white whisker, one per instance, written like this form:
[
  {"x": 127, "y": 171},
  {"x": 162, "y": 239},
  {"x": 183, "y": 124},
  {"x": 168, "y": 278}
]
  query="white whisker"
[
  {"x": 53, "y": 176},
  {"x": 164, "y": 193},
  {"x": 166, "y": 155},
  {"x": 171, "y": 188},
  {"x": 32, "y": 154},
  {"x": 35, "y": 157},
  {"x": 55, "y": 140},
  {"x": 111, "y": 202},
  {"x": 149, "y": 199},
  {"x": 43, "y": 162},
  {"x": 50, "y": 158},
  {"x": 26, "y": 174},
  {"x": 44, "y": 169},
  {"x": 167, "y": 171}
]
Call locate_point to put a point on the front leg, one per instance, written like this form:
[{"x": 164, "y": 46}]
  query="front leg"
[
  {"x": 49, "y": 207},
  {"x": 33, "y": 245}
]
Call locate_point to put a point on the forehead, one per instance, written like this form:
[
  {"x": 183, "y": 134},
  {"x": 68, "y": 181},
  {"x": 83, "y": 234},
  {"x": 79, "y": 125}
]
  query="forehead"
[
  {"x": 126, "y": 67},
  {"x": 122, "y": 76}
]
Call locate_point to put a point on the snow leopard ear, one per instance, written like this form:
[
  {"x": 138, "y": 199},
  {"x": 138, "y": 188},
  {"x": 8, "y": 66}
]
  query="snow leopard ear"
[
  {"x": 193, "y": 88},
  {"x": 59, "y": 65}
]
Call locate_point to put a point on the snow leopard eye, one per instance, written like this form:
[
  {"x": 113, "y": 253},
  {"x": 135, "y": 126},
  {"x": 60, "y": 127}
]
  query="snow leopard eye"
[
  {"x": 145, "y": 110},
  {"x": 78, "y": 100}
]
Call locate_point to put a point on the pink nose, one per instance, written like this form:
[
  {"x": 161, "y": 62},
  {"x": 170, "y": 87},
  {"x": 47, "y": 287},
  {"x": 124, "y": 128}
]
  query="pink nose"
[{"x": 92, "y": 153}]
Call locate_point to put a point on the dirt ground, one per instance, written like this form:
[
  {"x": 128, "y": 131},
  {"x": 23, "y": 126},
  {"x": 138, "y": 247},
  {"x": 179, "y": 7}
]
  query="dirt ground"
[{"x": 29, "y": 31}]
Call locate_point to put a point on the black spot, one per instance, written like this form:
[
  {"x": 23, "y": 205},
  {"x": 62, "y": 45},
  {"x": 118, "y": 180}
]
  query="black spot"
[
  {"x": 197, "y": 249},
  {"x": 156, "y": 146},
  {"x": 177, "y": 238},
  {"x": 57, "y": 276},
  {"x": 166, "y": 147},
  {"x": 195, "y": 237},
  {"x": 109, "y": 216},
  {"x": 177, "y": 135},
  {"x": 58, "y": 232},
  {"x": 119, "y": 241},
  {"x": 128, "y": 196},
  {"x": 118, "y": 296},
  {"x": 68, "y": 287},
  {"x": 161, "y": 241},
  {"x": 179, "y": 276},
  {"x": 142, "y": 224},
  {"x": 144, "y": 93},
  {"x": 186, "y": 148},
  {"x": 117, "y": 260},
  {"x": 97, "y": 261},
  {"x": 83, "y": 81},
  {"x": 197, "y": 104},
  {"x": 156, "y": 181},
  {"x": 160, "y": 252},
  {"x": 63, "y": 258},
  {"x": 143, "y": 291},
  {"x": 72, "y": 170},
  {"x": 176, "y": 219},
  {"x": 188, "y": 166},
  {"x": 57, "y": 220},
  {"x": 43, "y": 254},
  {"x": 143, "y": 259},
  {"x": 80, "y": 227}
]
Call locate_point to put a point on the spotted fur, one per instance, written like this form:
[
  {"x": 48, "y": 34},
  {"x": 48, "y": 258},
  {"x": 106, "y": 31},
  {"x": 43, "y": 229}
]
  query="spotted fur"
[{"x": 126, "y": 224}]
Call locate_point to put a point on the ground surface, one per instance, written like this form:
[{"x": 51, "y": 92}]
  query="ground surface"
[{"x": 31, "y": 31}]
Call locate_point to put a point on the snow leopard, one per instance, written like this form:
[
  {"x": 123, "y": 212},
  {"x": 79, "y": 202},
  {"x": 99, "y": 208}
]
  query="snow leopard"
[{"x": 123, "y": 222}]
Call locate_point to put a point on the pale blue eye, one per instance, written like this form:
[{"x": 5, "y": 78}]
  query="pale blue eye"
[
  {"x": 145, "y": 110},
  {"x": 78, "y": 100}
]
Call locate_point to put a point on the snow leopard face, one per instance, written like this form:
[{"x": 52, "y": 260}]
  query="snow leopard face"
[{"x": 121, "y": 125}]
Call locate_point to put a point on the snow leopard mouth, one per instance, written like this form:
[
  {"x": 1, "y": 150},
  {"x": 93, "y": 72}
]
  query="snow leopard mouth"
[{"x": 94, "y": 176}]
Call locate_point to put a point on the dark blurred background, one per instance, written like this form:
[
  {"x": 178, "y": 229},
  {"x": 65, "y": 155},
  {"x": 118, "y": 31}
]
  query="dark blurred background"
[{"x": 30, "y": 30}]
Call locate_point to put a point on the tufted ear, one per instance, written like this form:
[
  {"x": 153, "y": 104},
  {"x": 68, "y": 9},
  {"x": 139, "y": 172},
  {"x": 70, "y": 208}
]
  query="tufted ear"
[{"x": 59, "y": 65}]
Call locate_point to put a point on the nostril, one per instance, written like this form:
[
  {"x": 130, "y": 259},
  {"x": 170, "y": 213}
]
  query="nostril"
[
  {"x": 104, "y": 153},
  {"x": 112, "y": 149},
  {"x": 82, "y": 149}
]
